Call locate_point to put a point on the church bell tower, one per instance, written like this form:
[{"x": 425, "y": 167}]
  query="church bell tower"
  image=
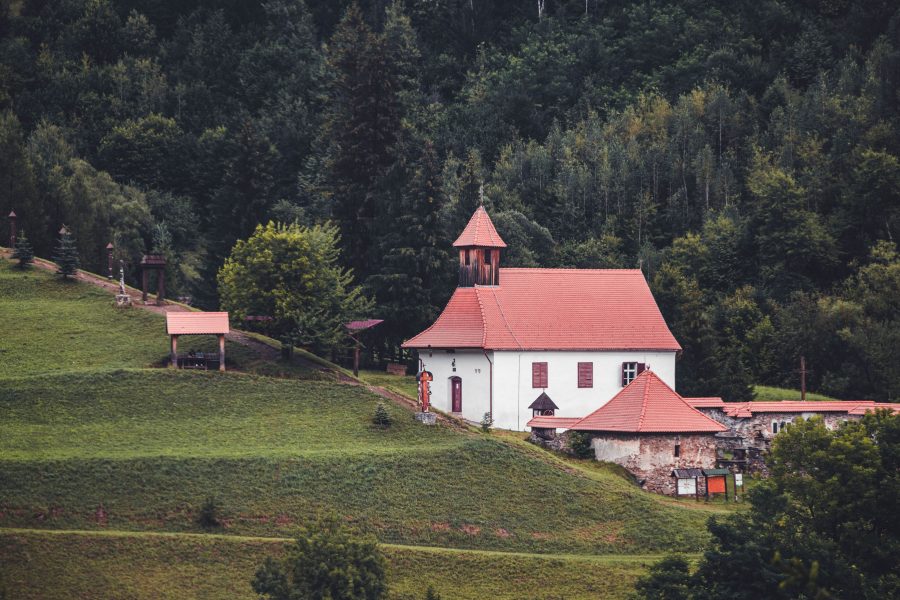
[{"x": 479, "y": 251}]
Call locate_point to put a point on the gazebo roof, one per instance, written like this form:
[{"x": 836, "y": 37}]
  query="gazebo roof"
[
  {"x": 197, "y": 323},
  {"x": 543, "y": 402}
]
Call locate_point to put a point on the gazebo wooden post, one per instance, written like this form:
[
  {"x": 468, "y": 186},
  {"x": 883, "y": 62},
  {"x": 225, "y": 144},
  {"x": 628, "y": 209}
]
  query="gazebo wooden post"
[
  {"x": 221, "y": 352},
  {"x": 174, "y": 363}
]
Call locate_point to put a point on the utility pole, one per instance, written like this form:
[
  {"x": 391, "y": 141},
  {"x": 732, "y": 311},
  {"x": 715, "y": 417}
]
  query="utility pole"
[{"x": 803, "y": 373}]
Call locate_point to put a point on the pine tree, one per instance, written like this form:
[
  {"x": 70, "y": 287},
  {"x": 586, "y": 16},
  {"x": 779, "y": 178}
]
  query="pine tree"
[
  {"x": 23, "y": 251},
  {"x": 382, "y": 417},
  {"x": 66, "y": 256}
]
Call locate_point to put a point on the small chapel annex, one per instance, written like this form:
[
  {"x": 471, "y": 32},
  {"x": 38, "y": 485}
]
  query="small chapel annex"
[{"x": 508, "y": 335}]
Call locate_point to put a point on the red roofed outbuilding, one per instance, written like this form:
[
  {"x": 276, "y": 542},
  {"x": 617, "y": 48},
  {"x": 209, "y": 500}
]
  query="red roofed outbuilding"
[
  {"x": 508, "y": 334},
  {"x": 649, "y": 429}
]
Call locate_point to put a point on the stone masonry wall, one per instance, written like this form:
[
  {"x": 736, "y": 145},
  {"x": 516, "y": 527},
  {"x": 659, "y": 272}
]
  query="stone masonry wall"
[
  {"x": 651, "y": 457},
  {"x": 757, "y": 434}
]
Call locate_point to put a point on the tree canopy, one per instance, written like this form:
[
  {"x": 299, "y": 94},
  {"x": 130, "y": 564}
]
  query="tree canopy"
[
  {"x": 744, "y": 155},
  {"x": 824, "y": 525}
]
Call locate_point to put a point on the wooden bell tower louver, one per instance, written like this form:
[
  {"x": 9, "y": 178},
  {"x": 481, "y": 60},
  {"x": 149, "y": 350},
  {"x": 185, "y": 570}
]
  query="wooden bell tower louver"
[{"x": 479, "y": 251}]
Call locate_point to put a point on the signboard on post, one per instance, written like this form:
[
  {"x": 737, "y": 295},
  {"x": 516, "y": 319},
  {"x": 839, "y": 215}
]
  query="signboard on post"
[
  {"x": 687, "y": 487},
  {"x": 738, "y": 480}
]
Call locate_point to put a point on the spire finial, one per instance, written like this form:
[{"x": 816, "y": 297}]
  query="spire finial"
[{"x": 481, "y": 194}]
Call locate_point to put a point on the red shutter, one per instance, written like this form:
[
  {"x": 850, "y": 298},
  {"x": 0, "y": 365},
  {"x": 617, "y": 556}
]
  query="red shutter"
[
  {"x": 585, "y": 374},
  {"x": 539, "y": 375}
]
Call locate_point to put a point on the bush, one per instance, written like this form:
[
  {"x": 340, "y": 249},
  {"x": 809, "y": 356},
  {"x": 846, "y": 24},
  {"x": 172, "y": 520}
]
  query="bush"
[
  {"x": 23, "y": 251},
  {"x": 326, "y": 561},
  {"x": 580, "y": 444},
  {"x": 382, "y": 417},
  {"x": 210, "y": 515},
  {"x": 486, "y": 422},
  {"x": 430, "y": 594}
]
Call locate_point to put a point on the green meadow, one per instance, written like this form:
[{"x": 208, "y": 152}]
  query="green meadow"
[{"x": 105, "y": 460}]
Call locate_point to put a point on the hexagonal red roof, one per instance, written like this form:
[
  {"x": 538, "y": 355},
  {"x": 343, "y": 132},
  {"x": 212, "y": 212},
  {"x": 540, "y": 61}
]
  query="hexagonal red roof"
[
  {"x": 480, "y": 232},
  {"x": 648, "y": 405}
]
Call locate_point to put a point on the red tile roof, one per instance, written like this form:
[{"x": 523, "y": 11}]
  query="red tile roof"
[
  {"x": 553, "y": 309},
  {"x": 648, "y": 405},
  {"x": 354, "y": 326},
  {"x": 480, "y": 232},
  {"x": 552, "y": 422},
  {"x": 196, "y": 323},
  {"x": 706, "y": 402},
  {"x": 851, "y": 407}
]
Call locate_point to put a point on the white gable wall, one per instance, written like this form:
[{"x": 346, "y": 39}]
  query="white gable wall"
[
  {"x": 472, "y": 367},
  {"x": 513, "y": 391},
  {"x": 512, "y": 380}
]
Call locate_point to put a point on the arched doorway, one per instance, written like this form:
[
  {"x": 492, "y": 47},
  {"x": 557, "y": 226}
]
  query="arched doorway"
[{"x": 456, "y": 394}]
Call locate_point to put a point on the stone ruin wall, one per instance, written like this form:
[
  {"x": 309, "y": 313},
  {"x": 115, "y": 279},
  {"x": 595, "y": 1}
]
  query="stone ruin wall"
[
  {"x": 756, "y": 431},
  {"x": 651, "y": 457}
]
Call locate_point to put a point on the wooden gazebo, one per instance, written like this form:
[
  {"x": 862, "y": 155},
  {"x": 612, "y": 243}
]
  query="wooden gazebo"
[{"x": 197, "y": 323}]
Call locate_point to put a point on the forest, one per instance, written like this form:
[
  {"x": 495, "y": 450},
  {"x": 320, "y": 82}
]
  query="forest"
[{"x": 744, "y": 154}]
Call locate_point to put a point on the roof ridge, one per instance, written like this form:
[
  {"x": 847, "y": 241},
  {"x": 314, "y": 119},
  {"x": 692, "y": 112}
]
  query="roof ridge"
[
  {"x": 640, "y": 426},
  {"x": 685, "y": 402},
  {"x": 571, "y": 269},
  {"x": 503, "y": 315},
  {"x": 483, "y": 320}
]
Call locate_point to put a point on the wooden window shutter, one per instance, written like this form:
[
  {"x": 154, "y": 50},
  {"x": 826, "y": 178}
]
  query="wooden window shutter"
[
  {"x": 640, "y": 368},
  {"x": 539, "y": 375},
  {"x": 624, "y": 366},
  {"x": 585, "y": 374}
]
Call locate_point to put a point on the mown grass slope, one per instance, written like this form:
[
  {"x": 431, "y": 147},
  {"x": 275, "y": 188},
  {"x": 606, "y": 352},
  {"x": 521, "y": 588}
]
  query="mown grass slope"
[
  {"x": 50, "y": 566},
  {"x": 93, "y": 439},
  {"x": 145, "y": 448},
  {"x": 52, "y": 325}
]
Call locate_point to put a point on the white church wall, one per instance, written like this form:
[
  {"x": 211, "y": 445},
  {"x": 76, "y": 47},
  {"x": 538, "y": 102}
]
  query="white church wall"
[
  {"x": 513, "y": 391},
  {"x": 473, "y": 369}
]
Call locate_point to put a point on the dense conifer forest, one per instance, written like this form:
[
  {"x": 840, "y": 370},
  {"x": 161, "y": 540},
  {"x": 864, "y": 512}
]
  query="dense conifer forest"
[{"x": 745, "y": 155}]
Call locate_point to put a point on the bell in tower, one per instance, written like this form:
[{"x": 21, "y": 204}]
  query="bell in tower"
[{"x": 479, "y": 251}]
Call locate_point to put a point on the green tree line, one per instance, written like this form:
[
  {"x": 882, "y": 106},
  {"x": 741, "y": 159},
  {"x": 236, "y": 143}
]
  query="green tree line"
[{"x": 746, "y": 156}]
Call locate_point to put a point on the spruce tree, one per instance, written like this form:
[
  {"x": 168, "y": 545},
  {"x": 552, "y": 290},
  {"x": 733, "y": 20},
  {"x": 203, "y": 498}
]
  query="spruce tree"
[
  {"x": 382, "y": 417},
  {"x": 359, "y": 134},
  {"x": 66, "y": 256},
  {"x": 23, "y": 251}
]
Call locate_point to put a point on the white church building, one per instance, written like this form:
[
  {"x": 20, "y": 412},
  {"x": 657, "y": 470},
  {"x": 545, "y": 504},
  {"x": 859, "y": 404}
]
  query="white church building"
[{"x": 517, "y": 342}]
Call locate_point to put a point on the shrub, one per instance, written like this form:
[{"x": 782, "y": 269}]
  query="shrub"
[
  {"x": 66, "y": 256},
  {"x": 23, "y": 251},
  {"x": 486, "y": 422},
  {"x": 430, "y": 594},
  {"x": 210, "y": 514},
  {"x": 580, "y": 444},
  {"x": 382, "y": 417},
  {"x": 326, "y": 561}
]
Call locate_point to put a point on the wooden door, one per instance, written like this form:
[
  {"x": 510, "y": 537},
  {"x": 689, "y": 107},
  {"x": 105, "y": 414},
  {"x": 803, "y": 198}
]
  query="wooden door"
[{"x": 456, "y": 394}]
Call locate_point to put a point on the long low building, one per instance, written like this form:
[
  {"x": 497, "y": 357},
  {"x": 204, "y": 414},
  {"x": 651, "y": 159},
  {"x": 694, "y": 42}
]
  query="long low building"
[{"x": 658, "y": 435}]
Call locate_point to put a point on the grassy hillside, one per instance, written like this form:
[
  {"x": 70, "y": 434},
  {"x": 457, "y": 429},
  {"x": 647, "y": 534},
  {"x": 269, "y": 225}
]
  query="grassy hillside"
[
  {"x": 765, "y": 392},
  {"x": 61, "y": 565},
  {"x": 91, "y": 439},
  {"x": 52, "y": 325},
  {"x": 149, "y": 446}
]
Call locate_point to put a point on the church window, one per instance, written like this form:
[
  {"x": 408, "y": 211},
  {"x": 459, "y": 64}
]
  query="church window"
[
  {"x": 539, "y": 375},
  {"x": 630, "y": 370},
  {"x": 585, "y": 374}
]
